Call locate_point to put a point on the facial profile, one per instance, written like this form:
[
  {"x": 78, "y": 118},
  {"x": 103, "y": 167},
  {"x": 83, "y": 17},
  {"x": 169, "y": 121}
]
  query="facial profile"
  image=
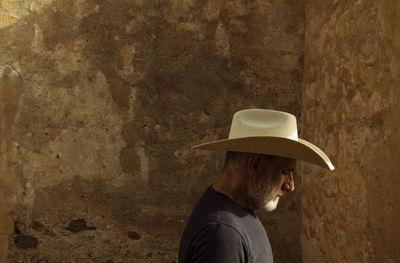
[{"x": 273, "y": 179}]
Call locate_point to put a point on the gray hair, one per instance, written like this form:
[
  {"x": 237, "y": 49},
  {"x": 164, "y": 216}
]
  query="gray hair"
[{"x": 239, "y": 158}]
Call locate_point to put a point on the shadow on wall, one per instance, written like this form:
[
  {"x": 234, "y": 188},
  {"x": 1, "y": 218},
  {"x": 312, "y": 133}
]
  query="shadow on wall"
[{"x": 112, "y": 96}]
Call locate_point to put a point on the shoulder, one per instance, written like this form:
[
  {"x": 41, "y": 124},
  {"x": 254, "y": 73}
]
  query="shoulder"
[
  {"x": 218, "y": 243},
  {"x": 223, "y": 232}
]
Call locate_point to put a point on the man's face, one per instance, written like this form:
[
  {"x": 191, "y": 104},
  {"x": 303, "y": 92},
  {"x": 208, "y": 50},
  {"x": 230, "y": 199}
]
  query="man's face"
[{"x": 274, "y": 176}]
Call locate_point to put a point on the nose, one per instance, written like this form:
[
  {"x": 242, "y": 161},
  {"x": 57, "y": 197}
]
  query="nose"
[{"x": 288, "y": 184}]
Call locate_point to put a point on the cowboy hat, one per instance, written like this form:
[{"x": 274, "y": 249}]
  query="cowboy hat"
[{"x": 268, "y": 132}]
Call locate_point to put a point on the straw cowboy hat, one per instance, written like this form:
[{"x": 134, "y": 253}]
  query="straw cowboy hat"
[{"x": 268, "y": 132}]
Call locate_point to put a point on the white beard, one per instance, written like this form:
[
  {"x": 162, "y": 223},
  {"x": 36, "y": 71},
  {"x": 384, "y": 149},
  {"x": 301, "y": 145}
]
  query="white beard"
[
  {"x": 271, "y": 201},
  {"x": 264, "y": 197}
]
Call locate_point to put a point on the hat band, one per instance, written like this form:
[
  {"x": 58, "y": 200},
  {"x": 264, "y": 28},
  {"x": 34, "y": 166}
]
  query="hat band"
[{"x": 282, "y": 134}]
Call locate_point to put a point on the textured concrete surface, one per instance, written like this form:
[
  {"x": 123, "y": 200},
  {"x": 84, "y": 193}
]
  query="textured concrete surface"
[
  {"x": 350, "y": 106},
  {"x": 100, "y": 103},
  {"x": 9, "y": 187}
]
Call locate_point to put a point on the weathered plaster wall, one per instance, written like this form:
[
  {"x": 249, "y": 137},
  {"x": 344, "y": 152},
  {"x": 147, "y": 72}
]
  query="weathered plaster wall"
[
  {"x": 100, "y": 103},
  {"x": 350, "y": 106}
]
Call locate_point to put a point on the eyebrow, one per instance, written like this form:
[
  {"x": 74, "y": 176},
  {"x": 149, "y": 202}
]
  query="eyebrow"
[{"x": 289, "y": 169}]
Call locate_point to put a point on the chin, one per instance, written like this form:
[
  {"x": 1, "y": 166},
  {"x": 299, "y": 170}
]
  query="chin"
[{"x": 271, "y": 205}]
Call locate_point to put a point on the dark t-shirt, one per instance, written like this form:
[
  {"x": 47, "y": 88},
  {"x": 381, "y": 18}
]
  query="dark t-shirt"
[{"x": 220, "y": 231}]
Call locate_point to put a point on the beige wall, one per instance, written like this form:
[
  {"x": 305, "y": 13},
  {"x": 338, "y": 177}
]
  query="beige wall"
[
  {"x": 100, "y": 103},
  {"x": 350, "y": 106}
]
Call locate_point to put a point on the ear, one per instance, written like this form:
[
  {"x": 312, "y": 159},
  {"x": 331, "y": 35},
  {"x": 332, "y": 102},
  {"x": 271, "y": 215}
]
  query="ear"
[{"x": 253, "y": 164}]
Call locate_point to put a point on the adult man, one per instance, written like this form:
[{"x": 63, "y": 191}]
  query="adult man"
[{"x": 262, "y": 149}]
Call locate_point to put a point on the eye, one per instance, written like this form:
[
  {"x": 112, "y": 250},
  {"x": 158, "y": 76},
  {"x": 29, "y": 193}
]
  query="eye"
[{"x": 287, "y": 172}]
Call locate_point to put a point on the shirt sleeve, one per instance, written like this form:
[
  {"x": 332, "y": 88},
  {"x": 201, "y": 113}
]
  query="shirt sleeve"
[{"x": 218, "y": 243}]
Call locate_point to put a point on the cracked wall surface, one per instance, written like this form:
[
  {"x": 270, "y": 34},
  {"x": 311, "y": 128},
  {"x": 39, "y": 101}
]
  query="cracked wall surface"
[
  {"x": 350, "y": 106},
  {"x": 100, "y": 103}
]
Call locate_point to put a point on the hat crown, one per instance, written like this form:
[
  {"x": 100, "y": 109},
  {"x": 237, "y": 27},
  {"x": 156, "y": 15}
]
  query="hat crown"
[{"x": 261, "y": 122}]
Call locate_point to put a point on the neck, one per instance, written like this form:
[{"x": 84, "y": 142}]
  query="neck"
[{"x": 233, "y": 183}]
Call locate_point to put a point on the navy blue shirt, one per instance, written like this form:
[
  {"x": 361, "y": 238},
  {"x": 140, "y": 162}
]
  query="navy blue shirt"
[{"x": 220, "y": 231}]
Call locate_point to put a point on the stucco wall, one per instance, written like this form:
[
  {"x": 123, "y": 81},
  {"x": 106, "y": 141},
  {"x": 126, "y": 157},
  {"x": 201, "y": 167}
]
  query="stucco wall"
[
  {"x": 350, "y": 106},
  {"x": 100, "y": 103}
]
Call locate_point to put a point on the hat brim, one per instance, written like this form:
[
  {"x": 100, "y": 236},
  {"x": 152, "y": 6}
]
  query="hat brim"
[{"x": 300, "y": 150}]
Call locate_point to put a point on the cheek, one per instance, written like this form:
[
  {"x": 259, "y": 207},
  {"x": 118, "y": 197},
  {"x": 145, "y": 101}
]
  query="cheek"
[
  {"x": 262, "y": 185},
  {"x": 278, "y": 181}
]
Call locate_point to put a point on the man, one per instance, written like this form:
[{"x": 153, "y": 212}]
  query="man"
[{"x": 262, "y": 149}]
